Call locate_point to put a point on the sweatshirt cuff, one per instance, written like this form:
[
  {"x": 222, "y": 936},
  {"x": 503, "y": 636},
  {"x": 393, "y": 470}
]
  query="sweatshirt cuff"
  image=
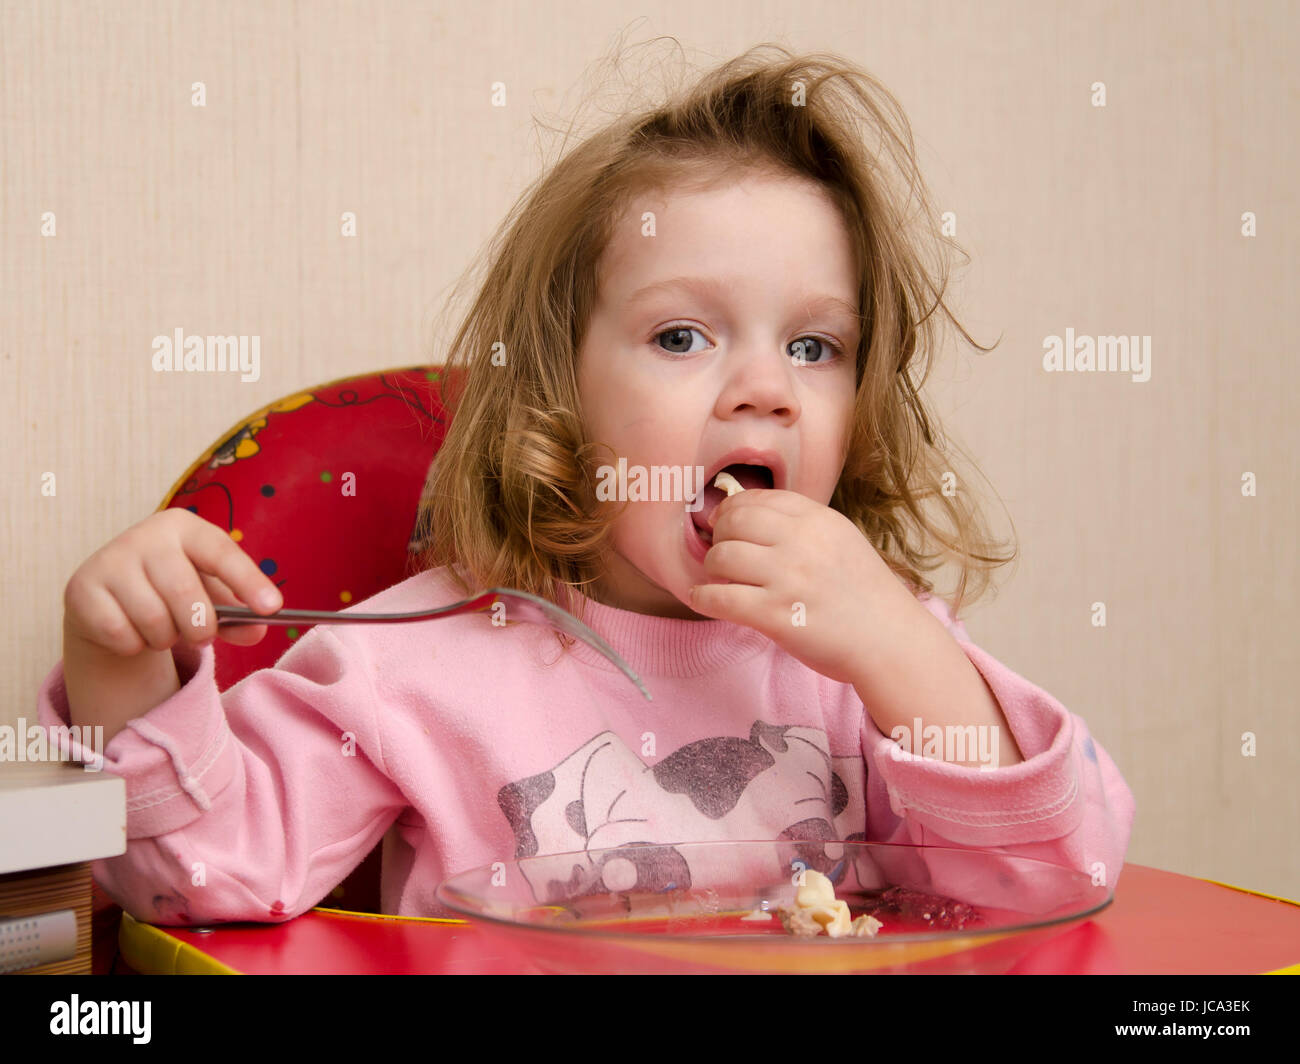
[
  {"x": 175, "y": 759},
  {"x": 1038, "y": 799}
]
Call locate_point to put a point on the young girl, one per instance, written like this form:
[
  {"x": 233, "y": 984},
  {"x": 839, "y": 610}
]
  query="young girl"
[{"x": 727, "y": 283}]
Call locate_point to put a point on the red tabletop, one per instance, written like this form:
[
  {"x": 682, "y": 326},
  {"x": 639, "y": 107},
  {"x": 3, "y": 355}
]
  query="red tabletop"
[{"x": 1160, "y": 923}]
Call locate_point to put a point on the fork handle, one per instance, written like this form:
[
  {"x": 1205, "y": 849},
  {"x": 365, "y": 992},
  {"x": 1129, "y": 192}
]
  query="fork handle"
[{"x": 237, "y": 615}]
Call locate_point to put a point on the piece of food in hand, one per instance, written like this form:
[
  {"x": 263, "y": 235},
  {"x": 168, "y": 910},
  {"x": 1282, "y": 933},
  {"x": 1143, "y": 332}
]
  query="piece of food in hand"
[
  {"x": 726, "y": 482},
  {"x": 816, "y": 909}
]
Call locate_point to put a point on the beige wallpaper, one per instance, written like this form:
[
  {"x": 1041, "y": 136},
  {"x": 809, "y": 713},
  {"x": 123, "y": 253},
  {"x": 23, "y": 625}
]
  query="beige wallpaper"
[{"x": 1113, "y": 170}]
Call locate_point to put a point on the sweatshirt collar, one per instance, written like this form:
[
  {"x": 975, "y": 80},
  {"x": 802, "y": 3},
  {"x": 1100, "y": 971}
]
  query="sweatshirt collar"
[{"x": 665, "y": 646}]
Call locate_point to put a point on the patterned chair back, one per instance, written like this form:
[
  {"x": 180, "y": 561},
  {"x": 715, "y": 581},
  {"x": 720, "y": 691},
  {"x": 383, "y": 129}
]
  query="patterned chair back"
[{"x": 321, "y": 490}]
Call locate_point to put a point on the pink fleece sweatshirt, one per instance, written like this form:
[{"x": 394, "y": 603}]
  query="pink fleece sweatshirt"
[{"x": 485, "y": 743}]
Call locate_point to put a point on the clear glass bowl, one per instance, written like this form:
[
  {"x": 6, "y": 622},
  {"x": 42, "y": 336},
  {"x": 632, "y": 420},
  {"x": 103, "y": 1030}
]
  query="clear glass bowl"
[{"x": 711, "y": 907}]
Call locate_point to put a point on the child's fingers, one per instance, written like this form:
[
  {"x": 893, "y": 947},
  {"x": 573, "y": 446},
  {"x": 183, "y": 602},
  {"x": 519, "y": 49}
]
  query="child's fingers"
[
  {"x": 145, "y": 589},
  {"x": 754, "y": 524},
  {"x": 148, "y": 613},
  {"x": 738, "y": 603},
  {"x": 177, "y": 584},
  {"x": 93, "y": 613},
  {"x": 244, "y": 635},
  {"x": 213, "y": 552},
  {"x": 786, "y": 502},
  {"x": 740, "y": 562}
]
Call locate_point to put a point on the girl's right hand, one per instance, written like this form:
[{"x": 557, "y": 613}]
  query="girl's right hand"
[{"x": 140, "y": 591}]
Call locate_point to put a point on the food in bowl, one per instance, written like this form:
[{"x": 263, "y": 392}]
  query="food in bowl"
[{"x": 816, "y": 909}]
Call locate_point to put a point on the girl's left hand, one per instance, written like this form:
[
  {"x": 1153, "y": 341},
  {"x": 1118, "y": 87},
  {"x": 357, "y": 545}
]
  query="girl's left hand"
[{"x": 803, "y": 575}]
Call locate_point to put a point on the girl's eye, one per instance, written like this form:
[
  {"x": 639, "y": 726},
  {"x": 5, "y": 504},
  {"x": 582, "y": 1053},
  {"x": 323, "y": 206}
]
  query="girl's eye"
[
  {"x": 807, "y": 350},
  {"x": 679, "y": 334},
  {"x": 812, "y": 350}
]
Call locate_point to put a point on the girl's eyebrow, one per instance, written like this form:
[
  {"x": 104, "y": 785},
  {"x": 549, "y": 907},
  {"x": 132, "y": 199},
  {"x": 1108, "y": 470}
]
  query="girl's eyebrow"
[{"x": 716, "y": 286}]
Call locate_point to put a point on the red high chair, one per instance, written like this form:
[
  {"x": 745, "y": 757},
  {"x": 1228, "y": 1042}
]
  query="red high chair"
[{"x": 321, "y": 489}]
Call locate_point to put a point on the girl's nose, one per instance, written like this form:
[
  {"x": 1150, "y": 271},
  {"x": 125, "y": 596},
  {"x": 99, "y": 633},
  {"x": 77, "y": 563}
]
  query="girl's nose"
[{"x": 760, "y": 383}]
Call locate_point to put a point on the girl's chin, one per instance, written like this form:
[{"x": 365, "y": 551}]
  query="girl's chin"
[
  {"x": 659, "y": 585},
  {"x": 633, "y": 590}
]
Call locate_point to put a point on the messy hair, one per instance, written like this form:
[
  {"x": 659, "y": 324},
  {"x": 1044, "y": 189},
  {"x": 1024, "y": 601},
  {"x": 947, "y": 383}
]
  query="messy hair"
[{"x": 510, "y": 499}]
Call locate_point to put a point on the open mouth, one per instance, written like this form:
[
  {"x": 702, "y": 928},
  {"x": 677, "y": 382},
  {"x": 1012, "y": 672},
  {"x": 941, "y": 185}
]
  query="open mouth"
[{"x": 747, "y": 476}]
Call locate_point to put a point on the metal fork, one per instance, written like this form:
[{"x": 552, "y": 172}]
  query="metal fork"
[{"x": 524, "y": 606}]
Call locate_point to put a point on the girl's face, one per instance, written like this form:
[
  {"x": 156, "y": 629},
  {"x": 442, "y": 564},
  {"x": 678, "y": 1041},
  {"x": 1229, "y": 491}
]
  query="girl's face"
[{"x": 693, "y": 358}]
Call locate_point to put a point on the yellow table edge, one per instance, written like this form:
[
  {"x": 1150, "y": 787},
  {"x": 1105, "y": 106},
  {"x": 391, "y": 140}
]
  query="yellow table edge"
[
  {"x": 387, "y": 916},
  {"x": 1290, "y": 969},
  {"x": 1247, "y": 890},
  {"x": 152, "y": 950}
]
